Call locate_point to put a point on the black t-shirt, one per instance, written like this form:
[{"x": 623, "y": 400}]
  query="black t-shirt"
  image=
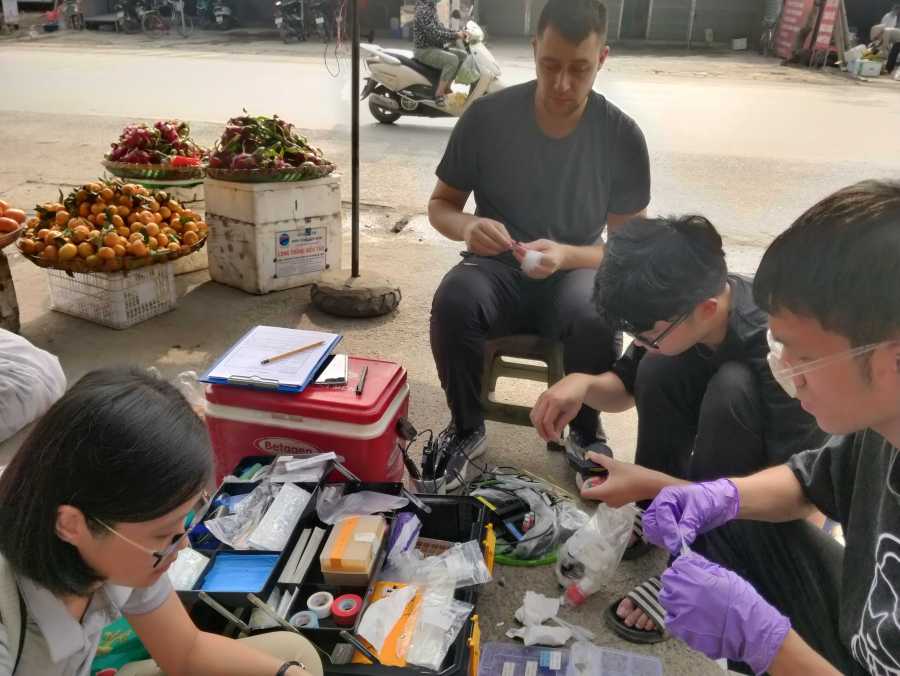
[
  {"x": 539, "y": 187},
  {"x": 855, "y": 480},
  {"x": 787, "y": 428}
]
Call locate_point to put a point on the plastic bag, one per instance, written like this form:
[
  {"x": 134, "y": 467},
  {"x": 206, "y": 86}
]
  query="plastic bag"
[
  {"x": 275, "y": 528},
  {"x": 468, "y": 72},
  {"x": 404, "y": 534},
  {"x": 187, "y": 569},
  {"x": 189, "y": 385},
  {"x": 590, "y": 557},
  {"x": 31, "y": 380},
  {"x": 462, "y": 565},
  {"x": 358, "y": 504},
  {"x": 235, "y": 529},
  {"x": 439, "y": 622}
]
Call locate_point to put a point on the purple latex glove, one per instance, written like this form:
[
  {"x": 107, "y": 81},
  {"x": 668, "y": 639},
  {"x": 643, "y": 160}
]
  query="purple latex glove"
[
  {"x": 680, "y": 513},
  {"x": 720, "y": 614}
]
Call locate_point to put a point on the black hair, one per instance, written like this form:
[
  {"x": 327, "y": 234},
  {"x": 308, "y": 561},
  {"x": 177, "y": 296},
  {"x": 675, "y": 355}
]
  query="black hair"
[
  {"x": 839, "y": 263},
  {"x": 122, "y": 446},
  {"x": 574, "y": 19},
  {"x": 655, "y": 269}
]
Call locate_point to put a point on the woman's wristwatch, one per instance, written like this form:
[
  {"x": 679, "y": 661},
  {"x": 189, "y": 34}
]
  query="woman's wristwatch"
[{"x": 287, "y": 665}]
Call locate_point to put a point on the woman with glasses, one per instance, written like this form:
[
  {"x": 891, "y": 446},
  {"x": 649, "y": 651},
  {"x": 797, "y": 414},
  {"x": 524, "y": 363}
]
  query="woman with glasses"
[
  {"x": 94, "y": 509},
  {"x": 708, "y": 405}
]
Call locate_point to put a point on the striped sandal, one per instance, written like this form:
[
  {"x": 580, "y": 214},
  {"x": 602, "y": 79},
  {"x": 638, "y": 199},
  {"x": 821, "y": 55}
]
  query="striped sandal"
[
  {"x": 640, "y": 546},
  {"x": 646, "y": 598}
]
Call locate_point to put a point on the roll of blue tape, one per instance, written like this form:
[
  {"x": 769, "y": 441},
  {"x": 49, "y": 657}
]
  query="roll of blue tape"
[{"x": 305, "y": 619}]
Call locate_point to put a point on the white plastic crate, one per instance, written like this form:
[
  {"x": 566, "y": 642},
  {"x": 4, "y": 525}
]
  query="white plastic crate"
[{"x": 117, "y": 299}]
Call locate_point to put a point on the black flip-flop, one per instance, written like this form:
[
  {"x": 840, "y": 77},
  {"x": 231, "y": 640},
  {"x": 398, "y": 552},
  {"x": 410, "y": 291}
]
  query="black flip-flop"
[
  {"x": 640, "y": 546},
  {"x": 646, "y": 597}
]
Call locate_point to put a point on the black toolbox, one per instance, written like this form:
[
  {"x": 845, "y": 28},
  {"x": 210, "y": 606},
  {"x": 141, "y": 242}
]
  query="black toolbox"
[{"x": 444, "y": 518}]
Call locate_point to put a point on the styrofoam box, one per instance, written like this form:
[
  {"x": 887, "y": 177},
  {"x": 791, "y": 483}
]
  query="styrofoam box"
[
  {"x": 869, "y": 68},
  {"x": 739, "y": 44},
  {"x": 265, "y": 203},
  {"x": 116, "y": 299},
  {"x": 270, "y": 236}
]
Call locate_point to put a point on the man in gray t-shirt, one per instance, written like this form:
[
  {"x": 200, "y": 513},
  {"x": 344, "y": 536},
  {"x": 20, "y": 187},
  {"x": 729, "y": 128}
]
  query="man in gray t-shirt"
[{"x": 551, "y": 163}]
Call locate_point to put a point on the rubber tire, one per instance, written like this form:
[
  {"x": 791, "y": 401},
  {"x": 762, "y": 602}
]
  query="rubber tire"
[
  {"x": 382, "y": 115},
  {"x": 350, "y": 306}
]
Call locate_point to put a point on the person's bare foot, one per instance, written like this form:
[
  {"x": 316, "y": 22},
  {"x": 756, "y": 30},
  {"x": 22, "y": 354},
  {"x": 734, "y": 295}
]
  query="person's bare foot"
[{"x": 634, "y": 617}]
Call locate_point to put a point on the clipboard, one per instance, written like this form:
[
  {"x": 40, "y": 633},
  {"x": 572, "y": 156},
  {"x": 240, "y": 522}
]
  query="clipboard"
[{"x": 240, "y": 366}]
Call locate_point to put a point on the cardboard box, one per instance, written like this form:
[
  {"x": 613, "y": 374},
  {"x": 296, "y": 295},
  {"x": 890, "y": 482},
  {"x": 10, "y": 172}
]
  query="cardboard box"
[{"x": 350, "y": 552}]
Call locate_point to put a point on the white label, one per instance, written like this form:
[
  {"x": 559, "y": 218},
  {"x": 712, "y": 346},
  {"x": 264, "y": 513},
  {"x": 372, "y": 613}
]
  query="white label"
[
  {"x": 278, "y": 21},
  {"x": 219, "y": 18},
  {"x": 300, "y": 252},
  {"x": 531, "y": 668},
  {"x": 509, "y": 669},
  {"x": 320, "y": 20},
  {"x": 364, "y": 537},
  {"x": 555, "y": 660}
]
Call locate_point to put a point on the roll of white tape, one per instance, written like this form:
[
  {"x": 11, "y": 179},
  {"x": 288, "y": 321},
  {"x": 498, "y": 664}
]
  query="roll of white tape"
[{"x": 320, "y": 604}]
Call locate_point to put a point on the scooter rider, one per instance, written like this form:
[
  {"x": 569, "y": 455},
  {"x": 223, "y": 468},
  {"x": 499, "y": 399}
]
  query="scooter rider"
[{"x": 429, "y": 38}]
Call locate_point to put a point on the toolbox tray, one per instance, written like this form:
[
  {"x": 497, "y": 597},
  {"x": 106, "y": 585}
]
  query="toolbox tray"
[{"x": 452, "y": 519}]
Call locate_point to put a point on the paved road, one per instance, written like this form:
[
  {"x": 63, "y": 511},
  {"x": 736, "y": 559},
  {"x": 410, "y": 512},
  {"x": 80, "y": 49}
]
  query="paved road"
[{"x": 749, "y": 152}]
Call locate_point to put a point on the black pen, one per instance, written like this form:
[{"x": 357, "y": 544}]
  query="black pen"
[{"x": 362, "y": 380}]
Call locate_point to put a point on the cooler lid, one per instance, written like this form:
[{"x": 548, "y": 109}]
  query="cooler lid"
[{"x": 383, "y": 382}]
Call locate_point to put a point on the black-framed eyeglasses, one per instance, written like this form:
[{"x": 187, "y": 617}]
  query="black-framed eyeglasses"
[
  {"x": 161, "y": 555},
  {"x": 653, "y": 343}
]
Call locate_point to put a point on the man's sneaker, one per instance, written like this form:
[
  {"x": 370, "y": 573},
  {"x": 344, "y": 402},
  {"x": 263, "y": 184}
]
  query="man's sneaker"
[
  {"x": 577, "y": 447},
  {"x": 452, "y": 452}
]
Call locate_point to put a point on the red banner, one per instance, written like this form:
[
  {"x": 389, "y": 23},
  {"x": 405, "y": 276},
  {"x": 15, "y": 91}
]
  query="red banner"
[
  {"x": 827, "y": 24},
  {"x": 794, "y": 15}
]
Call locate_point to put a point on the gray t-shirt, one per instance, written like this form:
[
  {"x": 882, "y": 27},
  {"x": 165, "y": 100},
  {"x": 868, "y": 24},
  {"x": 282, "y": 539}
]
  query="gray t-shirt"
[
  {"x": 855, "y": 480},
  {"x": 56, "y": 644},
  {"x": 539, "y": 187}
]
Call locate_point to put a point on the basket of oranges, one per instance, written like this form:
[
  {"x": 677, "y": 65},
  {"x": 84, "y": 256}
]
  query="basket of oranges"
[{"x": 108, "y": 226}]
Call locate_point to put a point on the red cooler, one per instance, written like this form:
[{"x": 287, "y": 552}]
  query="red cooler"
[{"x": 363, "y": 429}]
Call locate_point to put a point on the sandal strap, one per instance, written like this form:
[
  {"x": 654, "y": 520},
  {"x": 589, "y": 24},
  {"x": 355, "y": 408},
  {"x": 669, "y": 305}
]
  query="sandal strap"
[
  {"x": 646, "y": 597},
  {"x": 637, "y": 526}
]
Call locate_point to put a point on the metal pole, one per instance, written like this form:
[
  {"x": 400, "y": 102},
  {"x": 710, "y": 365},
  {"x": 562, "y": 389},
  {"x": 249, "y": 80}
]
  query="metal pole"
[
  {"x": 354, "y": 140},
  {"x": 690, "y": 35},
  {"x": 649, "y": 20}
]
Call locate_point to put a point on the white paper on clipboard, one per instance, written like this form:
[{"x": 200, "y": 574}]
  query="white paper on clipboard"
[{"x": 263, "y": 342}]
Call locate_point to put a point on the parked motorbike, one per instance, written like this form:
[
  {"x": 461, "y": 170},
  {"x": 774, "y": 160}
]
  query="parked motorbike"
[
  {"x": 321, "y": 13},
  {"x": 224, "y": 15},
  {"x": 289, "y": 19},
  {"x": 130, "y": 15},
  {"x": 206, "y": 16},
  {"x": 399, "y": 85}
]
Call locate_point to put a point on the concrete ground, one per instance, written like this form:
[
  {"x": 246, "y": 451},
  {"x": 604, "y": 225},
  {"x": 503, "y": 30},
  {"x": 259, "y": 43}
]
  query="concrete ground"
[{"x": 741, "y": 139}]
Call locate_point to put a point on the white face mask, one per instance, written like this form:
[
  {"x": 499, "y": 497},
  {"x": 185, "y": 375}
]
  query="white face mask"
[{"x": 785, "y": 374}]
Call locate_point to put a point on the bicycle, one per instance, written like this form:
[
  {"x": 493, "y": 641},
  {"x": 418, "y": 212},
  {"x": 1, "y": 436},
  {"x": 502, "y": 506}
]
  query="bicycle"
[{"x": 159, "y": 20}]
